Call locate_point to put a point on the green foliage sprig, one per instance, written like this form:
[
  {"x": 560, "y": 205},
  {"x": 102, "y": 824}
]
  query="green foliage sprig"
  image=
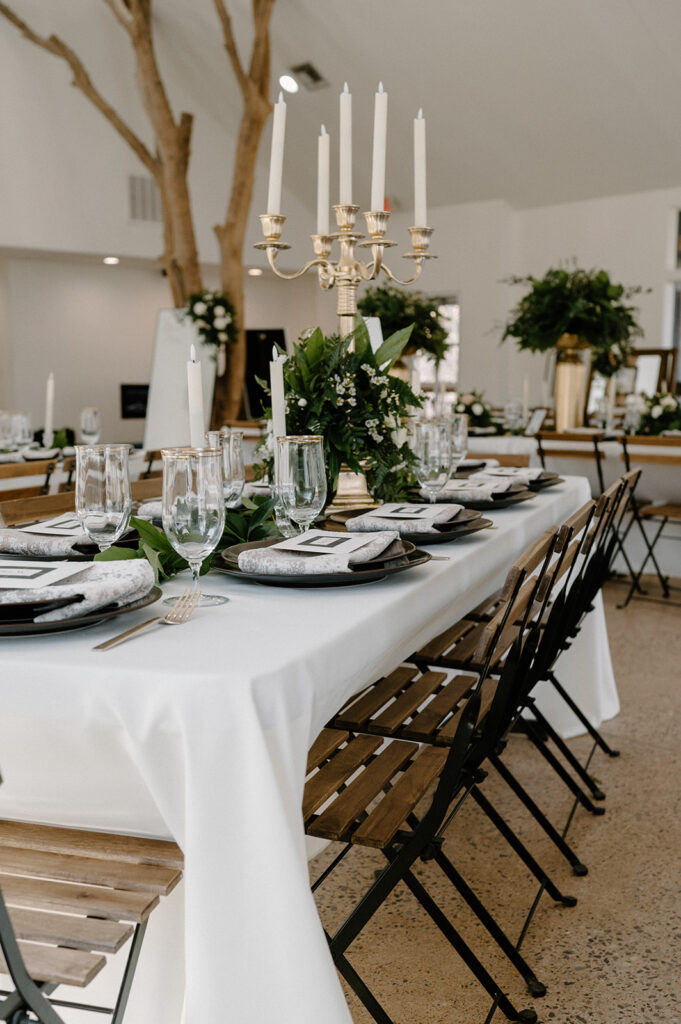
[
  {"x": 661, "y": 413},
  {"x": 254, "y": 522},
  {"x": 398, "y": 308},
  {"x": 584, "y": 303},
  {"x": 349, "y": 398},
  {"x": 214, "y": 317}
]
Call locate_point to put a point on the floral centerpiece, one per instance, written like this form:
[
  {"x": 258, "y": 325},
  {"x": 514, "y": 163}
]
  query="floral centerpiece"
[
  {"x": 478, "y": 411},
  {"x": 661, "y": 413},
  {"x": 398, "y": 308},
  {"x": 213, "y": 315},
  {"x": 571, "y": 309},
  {"x": 341, "y": 389}
]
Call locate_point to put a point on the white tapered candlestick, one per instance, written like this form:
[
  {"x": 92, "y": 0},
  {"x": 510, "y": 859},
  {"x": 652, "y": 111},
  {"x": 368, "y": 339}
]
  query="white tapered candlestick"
[
  {"x": 195, "y": 397},
  {"x": 378, "y": 162},
  {"x": 277, "y": 157}
]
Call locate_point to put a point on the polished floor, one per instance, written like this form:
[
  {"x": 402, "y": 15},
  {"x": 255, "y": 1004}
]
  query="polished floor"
[{"x": 616, "y": 956}]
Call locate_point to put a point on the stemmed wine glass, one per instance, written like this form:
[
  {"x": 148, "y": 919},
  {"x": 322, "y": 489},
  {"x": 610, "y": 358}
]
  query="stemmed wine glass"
[
  {"x": 193, "y": 507},
  {"x": 233, "y": 474},
  {"x": 459, "y": 426},
  {"x": 432, "y": 445},
  {"x": 90, "y": 426},
  {"x": 301, "y": 477},
  {"x": 103, "y": 501}
]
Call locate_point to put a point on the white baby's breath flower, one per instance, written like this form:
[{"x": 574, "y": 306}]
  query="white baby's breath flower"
[
  {"x": 199, "y": 308},
  {"x": 477, "y": 409},
  {"x": 656, "y": 412}
]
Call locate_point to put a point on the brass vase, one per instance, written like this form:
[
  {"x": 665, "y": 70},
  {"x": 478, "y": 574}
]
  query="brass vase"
[
  {"x": 352, "y": 491},
  {"x": 570, "y": 382}
]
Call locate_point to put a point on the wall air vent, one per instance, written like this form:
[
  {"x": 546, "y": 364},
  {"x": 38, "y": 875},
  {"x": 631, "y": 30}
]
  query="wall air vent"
[
  {"x": 144, "y": 199},
  {"x": 308, "y": 76}
]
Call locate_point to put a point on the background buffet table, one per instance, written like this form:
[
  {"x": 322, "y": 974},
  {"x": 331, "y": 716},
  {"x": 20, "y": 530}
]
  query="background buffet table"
[{"x": 201, "y": 733}]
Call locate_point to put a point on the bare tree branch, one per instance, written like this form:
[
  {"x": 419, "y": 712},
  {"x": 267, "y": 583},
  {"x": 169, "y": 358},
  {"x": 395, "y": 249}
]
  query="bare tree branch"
[
  {"x": 230, "y": 45},
  {"x": 259, "y": 70},
  {"x": 121, "y": 12},
  {"x": 81, "y": 80}
]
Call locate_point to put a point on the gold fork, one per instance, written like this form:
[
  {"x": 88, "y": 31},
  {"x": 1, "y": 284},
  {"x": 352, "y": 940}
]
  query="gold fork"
[{"x": 178, "y": 614}]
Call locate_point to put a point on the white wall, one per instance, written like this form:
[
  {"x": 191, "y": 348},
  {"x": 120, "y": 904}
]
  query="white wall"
[{"x": 94, "y": 326}]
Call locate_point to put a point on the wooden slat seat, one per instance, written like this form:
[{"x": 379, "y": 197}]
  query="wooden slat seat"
[
  {"x": 73, "y": 894},
  {"x": 668, "y": 511}
]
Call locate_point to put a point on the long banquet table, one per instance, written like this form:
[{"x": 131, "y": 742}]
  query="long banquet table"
[{"x": 201, "y": 733}]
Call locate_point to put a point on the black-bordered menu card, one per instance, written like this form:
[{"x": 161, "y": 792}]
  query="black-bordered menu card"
[
  {"x": 322, "y": 542},
  {"x": 396, "y": 510},
  {"x": 26, "y": 575},
  {"x": 66, "y": 525}
]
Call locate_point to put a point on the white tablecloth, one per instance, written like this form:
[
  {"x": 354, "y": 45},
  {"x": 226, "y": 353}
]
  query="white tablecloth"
[{"x": 201, "y": 733}]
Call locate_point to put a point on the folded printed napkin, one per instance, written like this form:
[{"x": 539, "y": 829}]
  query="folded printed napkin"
[
  {"x": 516, "y": 474},
  {"x": 472, "y": 490},
  {"x": 273, "y": 562},
  {"x": 99, "y": 584},
  {"x": 474, "y": 463},
  {"x": 415, "y": 524},
  {"x": 11, "y": 457},
  {"x": 17, "y": 542}
]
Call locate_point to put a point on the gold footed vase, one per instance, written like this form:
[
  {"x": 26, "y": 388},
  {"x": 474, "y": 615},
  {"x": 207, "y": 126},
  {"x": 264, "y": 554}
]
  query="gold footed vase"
[
  {"x": 570, "y": 383},
  {"x": 352, "y": 492}
]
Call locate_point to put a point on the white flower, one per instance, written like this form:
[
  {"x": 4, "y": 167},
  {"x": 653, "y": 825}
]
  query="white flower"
[
  {"x": 220, "y": 322},
  {"x": 222, "y": 336},
  {"x": 352, "y": 401},
  {"x": 467, "y": 399},
  {"x": 616, "y": 350},
  {"x": 302, "y": 402},
  {"x": 477, "y": 409},
  {"x": 199, "y": 308},
  {"x": 219, "y": 311},
  {"x": 656, "y": 412},
  {"x": 399, "y": 437},
  {"x": 668, "y": 401},
  {"x": 461, "y": 407}
]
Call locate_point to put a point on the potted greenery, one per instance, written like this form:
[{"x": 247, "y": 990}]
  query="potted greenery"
[
  {"x": 341, "y": 389},
  {"x": 398, "y": 308},
  {"x": 573, "y": 310}
]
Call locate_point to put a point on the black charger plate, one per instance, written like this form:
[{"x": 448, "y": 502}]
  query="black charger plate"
[
  {"x": 30, "y": 628},
  {"x": 366, "y": 572},
  {"x": 465, "y": 522}
]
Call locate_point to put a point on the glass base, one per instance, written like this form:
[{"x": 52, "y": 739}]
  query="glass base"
[{"x": 205, "y": 600}]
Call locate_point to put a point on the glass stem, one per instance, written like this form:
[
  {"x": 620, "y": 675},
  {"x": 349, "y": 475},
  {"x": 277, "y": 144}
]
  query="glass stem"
[{"x": 196, "y": 569}]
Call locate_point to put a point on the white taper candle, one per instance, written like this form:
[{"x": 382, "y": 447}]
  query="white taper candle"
[
  {"x": 195, "y": 396},
  {"x": 420, "y": 211},
  {"x": 277, "y": 156},
  {"x": 346, "y": 145},
  {"x": 277, "y": 394},
  {"x": 378, "y": 162},
  {"x": 49, "y": 405},
  {"x": 323, "y": 152}
]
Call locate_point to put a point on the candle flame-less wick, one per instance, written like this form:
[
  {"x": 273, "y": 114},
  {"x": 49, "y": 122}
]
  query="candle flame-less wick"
[
  {"x": 380, "y": 86},
  {"x": 192, "y": 353},
  {"x": 324, "y": 131},
  {"x": 275, "y": 354},
  {"x": 345, "y": 88},
  {"x": 420, "y": 114},
  {"x": 281, "y": 98}
]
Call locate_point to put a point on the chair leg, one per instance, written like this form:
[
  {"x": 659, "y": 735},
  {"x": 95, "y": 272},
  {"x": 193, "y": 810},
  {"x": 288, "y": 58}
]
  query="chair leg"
[
  {"x": 591, "y": 729},
  {"x": 29, "y": 994},
  {"x": 512, "y": 839},
  {"x": 578, "y": 868},
  {"x": 360, "y": 988},
  {"x": 650, "y": 555},
  {"x": 593, "y": 787},
  {"x": 129, "y": 973},
  {"x": 465, "y": 952},
  {"x": 536, "y": 987},
  {"x": 563, "y": 774}
]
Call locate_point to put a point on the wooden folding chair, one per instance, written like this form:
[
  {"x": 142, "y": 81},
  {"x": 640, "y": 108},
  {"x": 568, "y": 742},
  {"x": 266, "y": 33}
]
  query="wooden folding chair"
[
  {"x": 68, "y": 900},
  {"x": 24, "y": 510},
  {"x": 636, "y": 450},
  {"x": 560, "y": 445},
  {"x": 150, "y": 473},
  {"x": 16, "y": 470},
  {"x": 503, "y": 458},
  {"x": 68, "y": 467}
]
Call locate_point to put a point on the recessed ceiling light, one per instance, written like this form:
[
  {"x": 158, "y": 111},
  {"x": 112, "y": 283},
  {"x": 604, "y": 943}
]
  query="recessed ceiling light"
[
  {"x": 111, "y": 261},
  {"x": 255, "y": 271},
  {"x": 288, "y": 83}
]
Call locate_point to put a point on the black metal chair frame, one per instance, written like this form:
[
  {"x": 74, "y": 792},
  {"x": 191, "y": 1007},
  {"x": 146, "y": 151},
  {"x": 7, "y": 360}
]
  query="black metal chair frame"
[{"x": 635, "y": 508}]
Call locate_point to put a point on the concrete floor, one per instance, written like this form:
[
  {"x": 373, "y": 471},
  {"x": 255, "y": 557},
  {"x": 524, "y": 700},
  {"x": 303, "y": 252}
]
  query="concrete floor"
[{"x": 615, "y": 957}]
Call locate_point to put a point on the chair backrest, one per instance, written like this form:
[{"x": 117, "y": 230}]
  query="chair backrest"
[
  {"x": 68, "y": 467},
  {"x": 636, "y": 448},
  {"x": 23, "y": 510},
  {"x": 561, "y": 445},
  {"x": 152, "y": 456},
  {"x": 503, "y": 458},
  {"x": 16, "y": 470}
]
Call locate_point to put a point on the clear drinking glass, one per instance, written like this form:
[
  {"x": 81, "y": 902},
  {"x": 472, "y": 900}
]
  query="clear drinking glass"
[
  {"x": 103, "y": 502},
  {"x": 90, "y": 426},
  {"x": 459, "y": 424},
  {"x": 432, "y": 445},
  {"x": 301, "y": 477},
  {"x": 233, "y": 473},
  {"x": 194, "y": 507},
  {"x": 20, "y": 428},
  {"x": 5, "y": 429}
]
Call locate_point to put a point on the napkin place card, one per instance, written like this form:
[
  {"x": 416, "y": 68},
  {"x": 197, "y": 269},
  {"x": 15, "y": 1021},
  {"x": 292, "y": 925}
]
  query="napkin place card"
[
  {"x": 394, "y": 510},
  {"x": 322, "y": 542},
  {"x": 66, "y": 525},
  {"x": 23, "y": 575}
]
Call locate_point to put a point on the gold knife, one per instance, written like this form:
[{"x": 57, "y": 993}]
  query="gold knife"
[{"x": 122, "y": 637}]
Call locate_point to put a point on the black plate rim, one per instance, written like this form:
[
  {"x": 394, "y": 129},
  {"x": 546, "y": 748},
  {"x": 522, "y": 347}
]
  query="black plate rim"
[
  {"x": 330, "y": 580},
  {"x": 78, "y": 621}
]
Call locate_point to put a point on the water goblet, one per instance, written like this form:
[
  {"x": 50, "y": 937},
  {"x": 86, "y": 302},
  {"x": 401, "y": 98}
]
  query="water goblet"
[
  {"x": 459, "y": 425},
  {"x": 90, "y": 426},
  {"x": 20, "y": 428},
  {"x": 233, "y": 473},
  {"x": 301, "y": 477},
  {"x": 103, "y": 501},
  {"x": 432, "y": 445},
  {"x": 194, "y": 508}
]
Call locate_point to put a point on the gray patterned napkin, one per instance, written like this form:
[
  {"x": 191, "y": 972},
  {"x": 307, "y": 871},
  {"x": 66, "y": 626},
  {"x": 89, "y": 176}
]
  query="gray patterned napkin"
[
  {"x": 472, "y": 490},
  {"x": 272, "y": 562},
  {"x": 150, "y": 510},
  {"x": 16, "y": 542},
  {"x": 99, "y": 584},
  {"x": 516, "y": 474},
  {"x": 368, "y": 522}
]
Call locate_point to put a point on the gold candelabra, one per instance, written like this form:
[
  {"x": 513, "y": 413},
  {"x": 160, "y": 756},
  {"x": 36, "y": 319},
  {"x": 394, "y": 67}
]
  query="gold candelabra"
[{"x": 347, "y": 272}]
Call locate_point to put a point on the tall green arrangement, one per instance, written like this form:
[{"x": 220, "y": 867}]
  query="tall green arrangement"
[
  {"x": 582, "y": 303},
  {"x": 341, "y": 389},
  {"x": 398, "y": 308}
]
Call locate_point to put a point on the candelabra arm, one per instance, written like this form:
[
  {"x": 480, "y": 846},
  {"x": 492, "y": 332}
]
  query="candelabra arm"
[
  {"x": 398, "y": 280},
  {"x": 272, "y": 250}
]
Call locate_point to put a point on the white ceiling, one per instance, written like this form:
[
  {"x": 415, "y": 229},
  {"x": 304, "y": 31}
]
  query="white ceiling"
[{"x": 532, "y": 101}]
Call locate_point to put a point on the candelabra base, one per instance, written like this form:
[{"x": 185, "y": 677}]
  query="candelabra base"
[{"x": 352, "y": 492}]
